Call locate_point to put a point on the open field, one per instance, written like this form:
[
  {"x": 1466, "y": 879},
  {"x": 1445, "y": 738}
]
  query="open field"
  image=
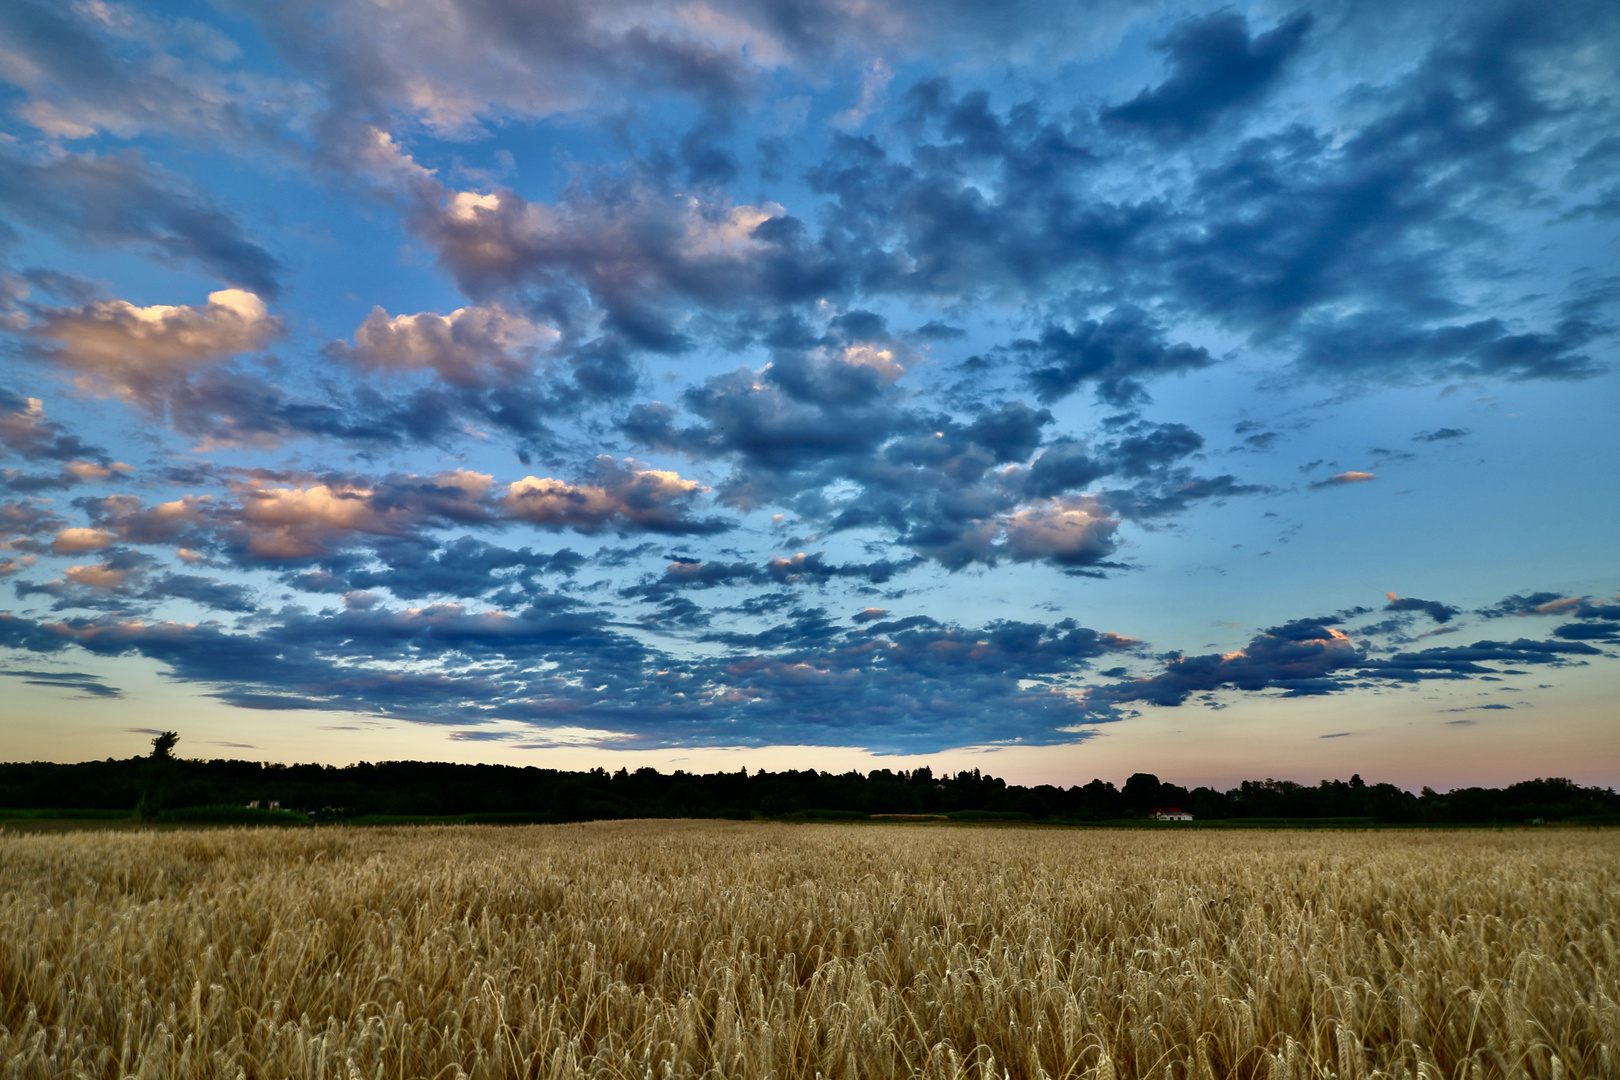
[{"x": 729, "y": 949}]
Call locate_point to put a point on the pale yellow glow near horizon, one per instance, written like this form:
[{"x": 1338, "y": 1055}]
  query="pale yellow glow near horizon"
[{"x": 1408, "y": 736}]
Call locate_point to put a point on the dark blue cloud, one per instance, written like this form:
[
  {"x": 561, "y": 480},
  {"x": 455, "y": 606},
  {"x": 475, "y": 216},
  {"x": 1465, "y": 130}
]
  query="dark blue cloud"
[
  {"x": 119, "y": 200},
  {"x": 1434, "y": 609},
  {"x": 945, "y": 487},
  {"x": 464, "y": 567},
  {"x": 1215, "y": 66},
  {"x": 27, "y": 519},
  {"x": 1115, "y": 355},
  {"x": 910, "y": 688},
  {"x": 1312, "y": 657},
  {"x": 683, "y": 574},
  {"x": 89, "y": 685},
  {"x": 1444, "y": 434},
  {"x": 1373, "y": 343},
  {"x": 132, "y": 582},
  {"x": 26, "y": 432}
]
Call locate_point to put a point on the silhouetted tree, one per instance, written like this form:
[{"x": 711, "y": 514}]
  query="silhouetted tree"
[
  {"x": 159, "y": 768},
  {"x": 1141, "y": 793}
]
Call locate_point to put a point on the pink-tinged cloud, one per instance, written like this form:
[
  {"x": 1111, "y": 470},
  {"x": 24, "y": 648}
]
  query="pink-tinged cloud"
[
  {"x": 1066, "y": 531},
  {"x": 168, "y": 522},
  {"x": 87, "y": 471},
  {"x": 280, "y": 523},
  {"x": 140, "y": 354},
  {"x": 276, "y": 518},
  {"x": 1341, "y": 479},
  {"x": 70, "y": 541},
  {"x": 618, "y": 495},
  {"x": 101, "y": 576},
  {"x": 472, "y": 346},
  {"x": 636, "y": 248}
]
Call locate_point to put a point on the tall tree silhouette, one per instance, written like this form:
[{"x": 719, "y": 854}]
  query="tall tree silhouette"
[{"x": 159, "y": 768}]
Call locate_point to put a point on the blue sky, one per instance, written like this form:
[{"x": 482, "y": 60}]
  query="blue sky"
[{"x": 1058, "y": 389}]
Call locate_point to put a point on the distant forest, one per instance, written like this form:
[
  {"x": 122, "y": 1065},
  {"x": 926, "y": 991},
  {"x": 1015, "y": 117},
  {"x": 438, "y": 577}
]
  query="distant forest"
[{"x": 164, "y": 785}]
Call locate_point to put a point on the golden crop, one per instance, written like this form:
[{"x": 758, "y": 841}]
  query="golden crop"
[{"x": 684, "y": 949}]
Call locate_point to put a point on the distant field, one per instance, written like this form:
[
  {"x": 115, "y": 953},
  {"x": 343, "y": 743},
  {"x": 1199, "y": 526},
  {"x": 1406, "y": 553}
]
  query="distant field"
[{"x": 734, "y": 949}]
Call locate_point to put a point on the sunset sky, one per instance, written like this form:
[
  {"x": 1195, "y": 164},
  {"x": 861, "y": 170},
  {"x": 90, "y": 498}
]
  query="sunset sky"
[{"x": 1056, "y": 389}]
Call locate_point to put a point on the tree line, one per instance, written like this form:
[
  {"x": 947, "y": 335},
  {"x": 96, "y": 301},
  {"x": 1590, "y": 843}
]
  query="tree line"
[{"x": 162, "y": 783}]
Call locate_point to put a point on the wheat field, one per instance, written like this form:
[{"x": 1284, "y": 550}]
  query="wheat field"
[{"x": 727, "y": 949}]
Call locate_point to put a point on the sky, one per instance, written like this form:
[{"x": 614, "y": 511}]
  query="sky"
[{"x": 1063, "y": 390}]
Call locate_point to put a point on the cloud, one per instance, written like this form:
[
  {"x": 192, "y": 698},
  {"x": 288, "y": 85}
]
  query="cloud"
[
  {"x": 1441, "y": 434},
  {"x": 802, "y": 569},
  {"x": 1069, "y": 532},
  {"x": 25, "y": 518},
  {"x": 790, "y": 426},
  {"x": 415, "y": 569},
  {"x": 1065, "y": 465},
  {"x": 280, "y": 523},
  {"x": 631, "y": 248},
  {"x": 119, "y": 201},
  {"x": 915, "y": 225},
  {"x": 459, "y": 68},
  {"x": 1485, "y": 348},
  {"x": 684, "y": 574},
  {"x": 1300, "y": 657},
  {"x": 624, "y": 496},
  {"x": 1215, "y": 67},
  {"x": 1434, "y": 609},
  {"x": 88, "y": 685},
  {"x": 166, "y": 360},
  {"x": 75, "y": 540},
  {"x": 809, "y": 421},
  {"x": 85, "y": 70},
  {"x": 1115, "y": 354},
  {"x": 127, "y": 581},
  {"x": 1312, "y": 657},
  {"x": 1148, "y": 448},
  {"x": 1587, "y": 631},
  {"x": 26, "y": 432},
  {"x": 1343, "y": 479},
  {"x": 1453, "y": 661},
  {"x": 910, "y": 688},
  {"x": 100, "y": 576},
  {"x": 1541, "y": 603},
  {"x": 1557, "y": 605},
  {"x": 299, "y": 518},
  {"x": 143, "y": 354},
  {"x": 907, "y": 685},
  {"x": 453, "y": 66},
  {"x": 1596, "y": 620},
  {"x": 1342, "y": 243},
  {"x": 276, "y": 522},
  {"x": 472, "y": 346}
]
